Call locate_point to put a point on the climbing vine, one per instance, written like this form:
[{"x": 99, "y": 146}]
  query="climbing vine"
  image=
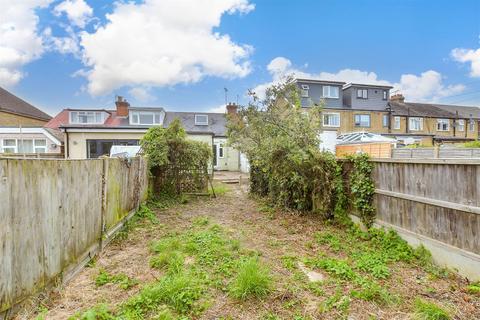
[{"x": 362, "y": 188}]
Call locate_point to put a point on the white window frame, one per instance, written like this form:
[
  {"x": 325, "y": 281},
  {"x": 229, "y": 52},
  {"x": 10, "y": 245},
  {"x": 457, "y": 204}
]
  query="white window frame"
[
  {"x": 136, "y": 114},
  {"x": 461, "y": 125},
  {"x": 304, "y": 90},
  {"x": 331, "y": 114},
  {"x": 385, "y": 95},
  {"x": 396, "y": 122},
  {"x": 471, "y": 125},
  {"x": 330, "y": 92},
  {"x": 412, "y": 120},
  {"x": 363, "y": 93},
  {"x": 74, "y": 117},
  {"x": 201, "y": 123},
  {"x": 38, "y": 147},
  {"x": 15, "y": 147},
  {"x": 360, "y": 115},
  {"x": 443, "y": 124}
]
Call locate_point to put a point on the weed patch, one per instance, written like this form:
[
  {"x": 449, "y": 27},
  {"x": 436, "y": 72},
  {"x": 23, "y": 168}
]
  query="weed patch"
[
  {"x": 121, "y": 279},
  {"x": 252, "y": 280},
  {"x": 425, "y": 310}
]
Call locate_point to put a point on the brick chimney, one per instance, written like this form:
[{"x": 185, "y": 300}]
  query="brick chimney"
[
  {"x": 397, "y": 98},
  {"x": 122, "y": 107},
  {"x": 232, "y": 108}
]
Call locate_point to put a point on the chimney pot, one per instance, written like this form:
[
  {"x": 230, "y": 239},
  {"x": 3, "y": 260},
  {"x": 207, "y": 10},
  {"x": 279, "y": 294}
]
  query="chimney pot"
[
  {"x": 232, "y": 108},
  {"x": 122, "y": 107}
]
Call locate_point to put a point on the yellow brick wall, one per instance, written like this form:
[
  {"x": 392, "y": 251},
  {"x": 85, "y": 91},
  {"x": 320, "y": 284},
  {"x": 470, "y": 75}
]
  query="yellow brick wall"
[
  {"x": 347, "y": 124},
  {"x": 13, "y": 120}
]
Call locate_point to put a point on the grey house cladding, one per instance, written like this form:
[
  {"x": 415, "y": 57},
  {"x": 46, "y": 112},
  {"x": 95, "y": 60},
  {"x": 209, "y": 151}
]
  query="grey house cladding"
[
  {"x": 315, "y": 93},
  {"x": 376, "y": 98}
]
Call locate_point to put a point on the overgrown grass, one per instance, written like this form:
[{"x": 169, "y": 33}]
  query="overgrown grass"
[
  {"x": 252, "y": 280},
  {"x": 425, "y": 310},
  {"x": 474, "y": 288},
  {"x": 121, "y": 279}
]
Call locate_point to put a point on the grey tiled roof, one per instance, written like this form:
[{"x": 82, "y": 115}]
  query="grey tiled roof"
[
  {"x": 216, "y": 122},
  {"x": 13, "y": 104},
  {"x": 433, "y": 110}
]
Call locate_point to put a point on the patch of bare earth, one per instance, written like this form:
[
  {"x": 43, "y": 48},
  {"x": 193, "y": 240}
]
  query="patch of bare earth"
[{"x": 274, "y": 235}]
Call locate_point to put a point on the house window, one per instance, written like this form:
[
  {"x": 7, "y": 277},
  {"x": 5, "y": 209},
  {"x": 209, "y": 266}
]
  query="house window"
[
  {"x": 9, "y": 146},
  {"x": 461, "y": 125},
  {"x": 385, "y": 94},
  {"x": 87, "y": 117},
  {"x": 304, "y": 91},
  {"x": 362, "y": 120},
  {"x": 331, "y": 120},
  {"x": 443, "y": 124},
  {"x": 201, "y": 119},
  {"x": 471, "y": 125},
  {"x": 145, "y": 118},
  {"x": 40, "y": 146},
  {"x": 415, "y": 124},
  {"x": 330, "y": 92},
  {"x": 362, "y": 94},
  {"x": 396, "y": 123},
  {"x": 220, "y": 150},
  {"x": 385, "y": 120}
]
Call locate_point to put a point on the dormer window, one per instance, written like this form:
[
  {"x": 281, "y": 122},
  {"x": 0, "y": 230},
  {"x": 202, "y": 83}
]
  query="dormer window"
[
  {"x": 145, "y": 118},
  {"x": 330, "y": 92},
  {"x": 304, "y": 91},
  {"x": 87, "y": 117},
  {"x": 362, "y": 94},
  {"x": 201, "y": 120}
]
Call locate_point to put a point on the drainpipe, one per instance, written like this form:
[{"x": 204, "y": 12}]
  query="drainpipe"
[
  {"x": 67, "y": 148},
  {"x": 455, "y": 123},
  {"x": 407, "y": 129},
  {"x": 389, "y": 109}
]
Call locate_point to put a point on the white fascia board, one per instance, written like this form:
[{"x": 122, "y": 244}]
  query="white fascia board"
[
  {"x": 104, "y": 130},
  {"x": 31, "y": 130}
]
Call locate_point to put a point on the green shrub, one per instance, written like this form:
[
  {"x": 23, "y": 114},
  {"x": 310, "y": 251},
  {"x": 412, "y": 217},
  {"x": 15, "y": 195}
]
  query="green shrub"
[
  {"x": 362, "y": 187},
  {"x": 252, "y": 280},
  {"x": 99, "y": 312},
  {"x": 425, "y": 310}
]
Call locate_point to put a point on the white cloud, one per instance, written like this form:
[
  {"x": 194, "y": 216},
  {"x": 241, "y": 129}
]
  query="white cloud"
[
  {"x": 64, "y": 45},
  {"x": 163, "y": 43},
  {"x": 468, "y": 56},
  {"x": 141, "y": 94},
  {"x": 77, "y": 11},
  {"x": 428, "y": 86},
  {"x": 20, "y": 41}
]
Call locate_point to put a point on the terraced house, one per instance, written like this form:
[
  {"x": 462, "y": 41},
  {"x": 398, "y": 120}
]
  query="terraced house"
[
  {"x": 90, "y": 133},
  {"x": 354, "y": 107}
]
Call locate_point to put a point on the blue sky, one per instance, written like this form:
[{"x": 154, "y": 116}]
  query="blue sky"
[{"x": 181, "y": 54}]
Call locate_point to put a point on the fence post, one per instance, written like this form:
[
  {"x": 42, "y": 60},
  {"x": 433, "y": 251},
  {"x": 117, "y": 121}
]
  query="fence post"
[
  {"x": 104, "y": 201},
  {"x": 436, "y": 151}
]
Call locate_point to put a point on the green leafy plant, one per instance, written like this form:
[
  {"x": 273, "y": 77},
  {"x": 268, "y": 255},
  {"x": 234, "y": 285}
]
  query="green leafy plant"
[
  {"x": 474, "y": 288},
  {"x": 339, "y": 268},
  {"x": 98, "y": 312},
  {"x": 121, "y": 279},
  {"x": 425, "y": 310},
  {"x": 363, "y": 188},
  {"x": 252, "y": 280}
]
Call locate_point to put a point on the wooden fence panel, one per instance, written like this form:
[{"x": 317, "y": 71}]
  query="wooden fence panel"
[
  {"x": 437, "y": 199},
  {"x": 51, "y": 213}
]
